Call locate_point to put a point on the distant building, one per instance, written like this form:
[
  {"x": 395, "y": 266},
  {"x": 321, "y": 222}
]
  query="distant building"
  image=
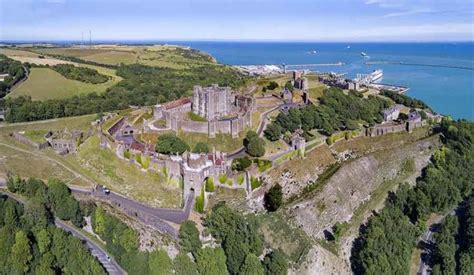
[
  {"x": 391, "y": 114},
  {"x": 286, "y": 95},
  {"x": 297, "y": 142},
  {"x": 353, "y": 85}
]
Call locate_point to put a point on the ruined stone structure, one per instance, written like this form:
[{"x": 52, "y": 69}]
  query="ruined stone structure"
[
  {"x": 297, "y": 142},
  {"x": 224, "y": 111},
  {"x": 63, "y": 142},
  {"x": 391, "y": 114},
  {"x": 287, "y": 95}
]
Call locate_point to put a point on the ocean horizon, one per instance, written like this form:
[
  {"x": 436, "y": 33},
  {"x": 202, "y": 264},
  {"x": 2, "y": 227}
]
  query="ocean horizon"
[{"x": 439, "y": 73}]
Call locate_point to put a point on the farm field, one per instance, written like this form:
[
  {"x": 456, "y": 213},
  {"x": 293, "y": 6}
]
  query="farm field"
[
  {"x": 104, "y": 56},
  {"x": 32, "y": 58},
  {"x": 45, "y": 83},
  {"x": 168, "y": 56}
]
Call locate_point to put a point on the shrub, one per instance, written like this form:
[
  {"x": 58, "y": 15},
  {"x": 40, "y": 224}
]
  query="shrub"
[
  {"x": 240, "y": 164},
  {"x": 138, "y": 158},
  {"x": 254, "y": 145},
  {"x": 199, "y": 205},
  {"x": 223, "y": 179},
  {"x": 146, "y": 162},
  {"x": 240, "y": 179},
  {"x": 263, "y": 164},
  {"x": 255, "y": 182},
  {"x": 126, "y": 154},
  {"x": 210, "y": 185}
]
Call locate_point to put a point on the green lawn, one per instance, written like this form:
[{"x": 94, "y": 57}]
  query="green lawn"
[
  {"x": 104, "y": 167},
  {"x": 104, "y": 56},
  {"x": 45, "y": 83},
  {"x": 194, "y": 117},
  {"x": 222, "y": 142},
  {"x": 36, "y": 135}
]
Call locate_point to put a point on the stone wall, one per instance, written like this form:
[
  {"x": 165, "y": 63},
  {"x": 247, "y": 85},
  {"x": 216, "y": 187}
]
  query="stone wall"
[
  {"x": 195, "y": 126},
  {"x": 25, "y": 140}
]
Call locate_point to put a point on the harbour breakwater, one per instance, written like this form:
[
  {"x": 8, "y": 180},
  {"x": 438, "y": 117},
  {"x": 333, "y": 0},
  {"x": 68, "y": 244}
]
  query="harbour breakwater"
[{"x": 418, "y": 64}]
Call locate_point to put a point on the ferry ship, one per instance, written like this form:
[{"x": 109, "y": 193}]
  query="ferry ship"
[{"x": 375, "y": 75}]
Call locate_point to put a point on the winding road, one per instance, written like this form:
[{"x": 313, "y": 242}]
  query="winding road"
[{"x": 110, "y": 265}]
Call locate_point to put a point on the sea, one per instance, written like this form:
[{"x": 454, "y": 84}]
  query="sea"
[{"x": 440, "y": 74}]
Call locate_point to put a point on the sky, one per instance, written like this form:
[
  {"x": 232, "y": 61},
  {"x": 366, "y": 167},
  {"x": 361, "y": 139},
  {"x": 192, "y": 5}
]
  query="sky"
[{"x": 238, "y": 20}]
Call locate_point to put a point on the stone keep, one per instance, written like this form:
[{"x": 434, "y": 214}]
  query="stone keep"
[{"x": 212, "y": 102}]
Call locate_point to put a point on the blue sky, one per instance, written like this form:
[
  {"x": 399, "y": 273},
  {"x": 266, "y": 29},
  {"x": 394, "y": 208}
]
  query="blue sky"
[{"x": 287, "y": 20}]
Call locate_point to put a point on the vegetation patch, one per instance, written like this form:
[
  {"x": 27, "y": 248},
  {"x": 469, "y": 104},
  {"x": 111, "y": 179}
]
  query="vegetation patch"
[
  {"x": 195, "y": 117},
  {"x": 36, "y": 135},
  {"x": 82, "y": 74}
]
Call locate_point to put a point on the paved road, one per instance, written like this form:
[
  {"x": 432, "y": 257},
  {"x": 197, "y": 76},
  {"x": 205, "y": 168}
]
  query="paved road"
[
  {"x": 428, "y": 242},
  {"x": 108, "y": 262},
  {"x": 151, "y": 216},
  {"x": 110, "y": 265},
  {"x": 261, "y": 127}
]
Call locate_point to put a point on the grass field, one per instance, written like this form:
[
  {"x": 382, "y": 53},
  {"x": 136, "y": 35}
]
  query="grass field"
[
  {"x": 222, "y": 142},
  {"x": 160, "y": 56},
  {"x": 316, "y": 88},
  {"x": 104, "y": 56},
  {"x": 104, "y": 167},
  {"x": 36, "y": 135},
  {"x": 45, "y": 83}
]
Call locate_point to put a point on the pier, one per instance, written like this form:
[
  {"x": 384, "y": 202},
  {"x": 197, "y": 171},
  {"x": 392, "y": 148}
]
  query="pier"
[
  {"x": 417, "y": 64},
  {"x": 389, "y": 87},
  {"x": 315, "y": 65}
]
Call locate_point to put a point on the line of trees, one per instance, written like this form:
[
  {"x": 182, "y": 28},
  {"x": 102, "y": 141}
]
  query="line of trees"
[
  {"x": 454, "y": 243},
  {"x": 386, "y": 243},
  {"x": 31, "y": 243},
  {"x": 141, "y": 85},
  {"x": 405, "y": 100},
  {"x": 82, "y": 74},
  {"x": 15, "y": 72},
  {"x": 337, "y": 111}
]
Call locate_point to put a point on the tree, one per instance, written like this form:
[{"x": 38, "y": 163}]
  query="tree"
[
  {"x": 240, "y": 164},
  {"x": 252, "y": 266},
  {"x": 201, "y": 147},
  {"x": 189, "y": 237},
  {"x": 171, "y": 144},
  {"x": 211, "y": 261},
  {"x": 21, "y": 256},
  {"x": 275, "y": 263},
  {"x": 273, "y": 132},
  {"x": 183, "y": 265},
  {"x": 289, "y": 86},
  {"x": 159, "y": 262},
  {"x": 273, "y": 198},
  {"x": 254, "y": 145},
  {"x": 272, "y": 85}
]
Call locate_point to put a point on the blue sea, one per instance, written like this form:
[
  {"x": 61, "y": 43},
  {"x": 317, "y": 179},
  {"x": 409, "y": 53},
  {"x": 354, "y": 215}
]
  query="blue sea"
[{"x": 449, "y": 91}]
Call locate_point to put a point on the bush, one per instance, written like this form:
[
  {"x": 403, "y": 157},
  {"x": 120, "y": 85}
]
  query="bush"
[
  {"x": 240, "y": 164},
  {"x": 210, "y": 185},
  {"x": 263, "y": 164}
]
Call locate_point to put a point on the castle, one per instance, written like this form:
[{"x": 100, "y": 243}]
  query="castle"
[{"x": 221, "y": 110}]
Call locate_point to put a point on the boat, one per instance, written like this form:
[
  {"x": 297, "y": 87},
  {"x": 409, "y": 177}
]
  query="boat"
[
  {"x": 375, "y": 75},
  {"x": 363, "y": 54},
  {"x": 313, "y": 52},
  {"x": 348, "y": 47}
]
